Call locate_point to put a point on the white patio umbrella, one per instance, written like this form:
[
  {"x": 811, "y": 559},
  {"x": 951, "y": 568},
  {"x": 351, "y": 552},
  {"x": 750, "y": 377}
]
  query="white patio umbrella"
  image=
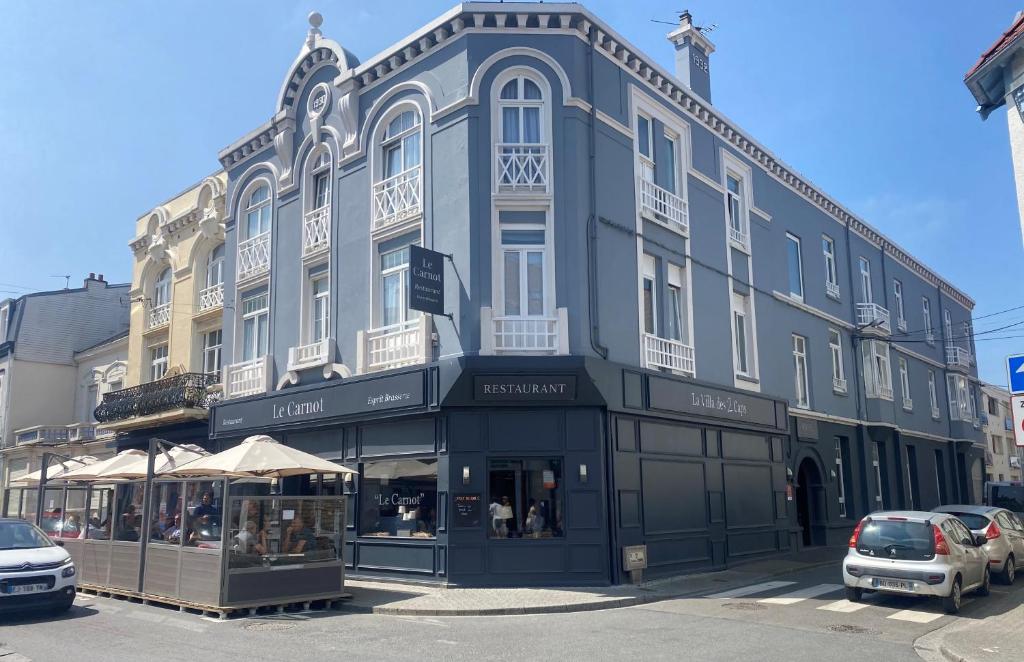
[
  {"x": 58, "y": 470},
  {"x": 165, "y": 460},
  {"x": 259, "y": 456},
  {"x": 91, "y": 472}
]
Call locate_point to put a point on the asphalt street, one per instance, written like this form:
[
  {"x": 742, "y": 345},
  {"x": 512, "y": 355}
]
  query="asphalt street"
[{"x": 801, "y": 616}]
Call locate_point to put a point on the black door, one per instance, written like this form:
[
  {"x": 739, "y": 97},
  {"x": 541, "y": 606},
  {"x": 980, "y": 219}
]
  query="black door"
[{"x": 808, "y": 492}]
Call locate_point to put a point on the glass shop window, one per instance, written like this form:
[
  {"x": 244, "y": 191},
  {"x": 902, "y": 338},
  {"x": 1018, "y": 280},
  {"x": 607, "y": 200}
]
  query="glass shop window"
[
  {"x": 399, "y": 499},
  {"x": 274, "y": 531},
  {"x": 53, "y": 511},
  {"x": 101, "y": 512},
  {"x": 203, "y": 513},
  {"x": 29, "y": 501},
  {"x": 73, "y": 525},
  {"x": 128, "y": 509},
  {"x": 525, "y": 499},
  {"x": 165, "y": 521}
]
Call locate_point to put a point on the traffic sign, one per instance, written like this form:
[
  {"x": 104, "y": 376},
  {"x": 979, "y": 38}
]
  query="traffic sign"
[
  {"x": 1017, "y": 407},
  {"x": 1015, "y": 373}
]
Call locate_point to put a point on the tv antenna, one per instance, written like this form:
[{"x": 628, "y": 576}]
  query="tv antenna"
[
  {"x": 685, "y": 16},
  {"x": 67, "y": 280}
]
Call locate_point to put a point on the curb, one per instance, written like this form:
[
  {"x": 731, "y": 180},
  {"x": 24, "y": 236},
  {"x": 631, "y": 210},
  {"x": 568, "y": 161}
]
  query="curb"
[
  {"x": 950, "y": 655},
  {"x": 614, "y": 603}
]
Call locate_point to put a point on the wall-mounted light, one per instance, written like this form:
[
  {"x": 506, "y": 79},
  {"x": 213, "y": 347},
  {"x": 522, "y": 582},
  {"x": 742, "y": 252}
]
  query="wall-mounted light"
[
  {"x": 583, "y": 473},
  {"x": 465, "y": 475},
  {"x": 789, "y": 473}
]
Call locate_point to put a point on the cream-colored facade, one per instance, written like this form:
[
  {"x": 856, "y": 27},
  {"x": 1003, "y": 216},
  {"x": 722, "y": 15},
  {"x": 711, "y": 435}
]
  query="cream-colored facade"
[
  {"x": 1002, "y": 457},
  {"x": 177, "y": 296}
]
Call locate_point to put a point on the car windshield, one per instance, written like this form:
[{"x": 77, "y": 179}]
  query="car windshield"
[
  {"x": 22, "y": 535},
  {"x": 896, "y": 540},
  {"x": 973, "y": 522},
  {"x": 1010, "y": 497}
]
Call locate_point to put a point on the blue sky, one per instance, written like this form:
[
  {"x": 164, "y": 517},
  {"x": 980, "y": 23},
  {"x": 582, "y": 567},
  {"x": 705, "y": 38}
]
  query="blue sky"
[{"x": 109, "y": 108}]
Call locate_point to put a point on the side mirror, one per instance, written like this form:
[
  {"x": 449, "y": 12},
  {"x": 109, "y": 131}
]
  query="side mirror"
[
  {"x": 59, "y": 543},
  {"x": 980, "y": 540}
]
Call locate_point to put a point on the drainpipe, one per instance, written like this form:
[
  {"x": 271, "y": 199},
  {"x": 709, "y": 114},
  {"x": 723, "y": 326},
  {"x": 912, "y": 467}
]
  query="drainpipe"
[{"x": 592, "y": 298}]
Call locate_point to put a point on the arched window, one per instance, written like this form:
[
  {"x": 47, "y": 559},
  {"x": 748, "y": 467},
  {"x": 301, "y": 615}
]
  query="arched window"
[
  {"x": 400, "y": 145},
  {"x": 215, "y": 267},
  {"x": 522, "y": 149},
  {"x": 257, "y": 212},
  {"x": 162, "y": 289},
  {"x": 397, "y": 192},
  {"x": 321, "y": 180}
]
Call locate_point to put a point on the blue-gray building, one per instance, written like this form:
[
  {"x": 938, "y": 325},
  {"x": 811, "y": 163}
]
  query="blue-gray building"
[{"x": 659, "y": 333}]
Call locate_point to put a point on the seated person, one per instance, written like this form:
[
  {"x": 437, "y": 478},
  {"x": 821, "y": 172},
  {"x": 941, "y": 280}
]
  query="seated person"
[
  {"x": 249, "y": 541},
  {"x": 172, "y": 533},
  {"x": 299, "y": 537},
  {"x": 207, "y": 509},
  {"x": 127, "y": 531}
]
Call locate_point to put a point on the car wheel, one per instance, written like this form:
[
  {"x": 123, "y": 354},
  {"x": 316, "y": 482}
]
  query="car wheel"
[
  {"x": 1010, "y": 570},
  {"x": 951, "y": 603},
  {"x": 854, "y": 594},
  {"x": 986, "y": 583}
]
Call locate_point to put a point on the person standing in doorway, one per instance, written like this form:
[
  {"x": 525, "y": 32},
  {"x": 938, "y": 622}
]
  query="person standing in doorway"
[
  {"x": 506, "y": 514},
  {"x": 496, "y": 522}
]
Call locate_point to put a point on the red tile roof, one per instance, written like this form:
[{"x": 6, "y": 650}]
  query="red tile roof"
[{"x": 1016, "y": 30}]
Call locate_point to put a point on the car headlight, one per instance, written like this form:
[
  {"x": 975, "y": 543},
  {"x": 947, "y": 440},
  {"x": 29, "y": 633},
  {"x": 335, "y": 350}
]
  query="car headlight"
[{"x": 68, "y": 571}]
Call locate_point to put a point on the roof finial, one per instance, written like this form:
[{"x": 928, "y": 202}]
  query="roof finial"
[{"x": 315, "y": 21}]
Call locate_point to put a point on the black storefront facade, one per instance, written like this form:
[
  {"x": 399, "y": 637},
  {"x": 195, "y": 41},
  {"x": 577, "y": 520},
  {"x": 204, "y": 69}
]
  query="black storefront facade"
[{"x": 499, "y": 471}]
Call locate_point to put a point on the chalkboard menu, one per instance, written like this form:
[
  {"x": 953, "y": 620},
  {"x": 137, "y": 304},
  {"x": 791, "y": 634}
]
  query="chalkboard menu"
[{"x": 467, "y": 510}]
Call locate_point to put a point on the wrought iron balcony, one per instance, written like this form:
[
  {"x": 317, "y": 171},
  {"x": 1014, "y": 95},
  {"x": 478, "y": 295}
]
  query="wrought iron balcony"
[{"x": 183, "y": 391}]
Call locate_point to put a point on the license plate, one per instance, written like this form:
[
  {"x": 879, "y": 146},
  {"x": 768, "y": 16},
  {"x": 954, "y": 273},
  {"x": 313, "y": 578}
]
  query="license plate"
[
  {"x": 893, "y": 585},
  {"x": 25, "y": 588}
]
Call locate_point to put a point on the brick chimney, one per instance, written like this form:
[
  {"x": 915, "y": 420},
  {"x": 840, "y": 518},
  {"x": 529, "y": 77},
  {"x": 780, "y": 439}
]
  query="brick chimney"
[{"x": 693, "y": 52}]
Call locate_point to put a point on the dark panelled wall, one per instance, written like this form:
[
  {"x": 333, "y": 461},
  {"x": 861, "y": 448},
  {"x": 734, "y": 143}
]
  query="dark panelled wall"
[
  {"x": 698, "y": 497},
  {"x": 573, "y": 435}
]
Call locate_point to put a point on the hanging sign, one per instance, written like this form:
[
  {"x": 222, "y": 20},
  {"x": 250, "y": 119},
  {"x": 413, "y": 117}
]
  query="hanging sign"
[{"x": 426, "y": 280}]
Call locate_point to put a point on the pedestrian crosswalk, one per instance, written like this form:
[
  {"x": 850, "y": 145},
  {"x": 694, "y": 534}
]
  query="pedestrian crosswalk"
[{"x": 928, "y": 611}]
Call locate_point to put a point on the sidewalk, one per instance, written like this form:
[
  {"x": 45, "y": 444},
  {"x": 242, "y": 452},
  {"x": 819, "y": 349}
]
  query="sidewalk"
[
  {"x": 991, "y": 633},
  {"x": 421, "y": 600}
]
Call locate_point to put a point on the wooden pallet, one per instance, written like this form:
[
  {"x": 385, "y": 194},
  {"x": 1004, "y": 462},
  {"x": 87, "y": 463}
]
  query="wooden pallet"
[{"x": 221, "y": 613}]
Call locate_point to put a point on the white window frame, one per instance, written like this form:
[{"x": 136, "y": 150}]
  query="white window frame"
[
  {"x": 162, "y": 287},
  {"x": 947, "y": 326},
  {"x": 159, "y": 362},
  {"x": 733, "y": 167},
  {"x": 398, "y": 140},
  {"x": 216, "y": 351},
  {"x": 215, "y": 265},
  {"x": 645, "y": 162},
  {"x": 926, "y": 312},
  {"x": 672, "y": 129},
  {"x": 958, "y": 394},
  {"x": 835, "y": 346},
  {"x": 840, "y": 477},
  {"x": 828, "y": 249},
  {"x": 649, "y": 274},
  {"x": 5, "y": 312},
  {"x": 801, "y": 372},
  {"x": 933, "y": 395},
  {"x": 897, "y": 293},
  {"x": 864, "y": 267},
  {"x": 405, "y": 314},
  {"x": 523, "y": 251},
  {"x": 792, "y": 239},
  {"x": 250, "y": 207},
  {"x": 319, "y": 329},
  {"x": 319, "y": 169},
  {"x": 255, "y": 352},
  {"x": 676, "y": 290},
  {"x": 742, "y": 310},
  {"x": 904, "y": 368},
  {"x": 877, "y": 369}
]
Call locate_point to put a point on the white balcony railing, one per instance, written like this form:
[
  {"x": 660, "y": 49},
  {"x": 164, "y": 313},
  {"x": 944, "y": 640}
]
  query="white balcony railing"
[
  {"x": 159, "y": 315},
  {"x": 885, "y": 392},
  {"x": 662, "y": 205},
  {"x": 839, "y": 384},
  {"x": 832, "y": 289},
  {"x": 309, "y": 356},
  {"x": 958, "y": 357},
  {"x": 522, "y": 167},
  {"x": 738, "y": 237},
  {"x": 254, "y": 256},
  {"x": 397, "y": 198},
  {"x": 316, "y": 231},
  {"x": 935, "y": 413},
  {"x": 871, "y": 315},
  {"x": 908, "y": 404},
  {"x": 525, "y": 334},
  {"x": 247, "y": 378},
  {"x": 394, "y": 346},
  {"x": 211, "y": 297},
  {"x": 929, "y": 337},
  {"x": 669, "y": 354}
]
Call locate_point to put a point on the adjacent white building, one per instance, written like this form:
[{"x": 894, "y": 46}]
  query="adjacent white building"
[{"x": 1002, "y": 457}]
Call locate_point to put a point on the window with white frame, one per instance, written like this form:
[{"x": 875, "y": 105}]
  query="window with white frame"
[
  {"x": 319, "y": 307},
  {"x": 523, "y": 262},
  {"x": 157, "y": 362},
  {"x": 674, "y": 304},
  {"x": 320, "y": 177},
  {"x": 645, "y": 146},
  {"x": 649, "y": 285},
  {"x": 958, "y": 392},
  {"x": 840, "y": 477},
  {"x": 828, "y": 249},
  {"x": 947, "y": 324},
  {"x": 744, "y": 358},
  {"x": 926, "y": 312},
  {"x": 835, "y": 346},
  {"x": 877, "y": 370},
  {"x": 257, "y": 212},
  {"x": 522, "y": 147},
  {"x": 401, "y": 144},
  {"x": 933, "y": 395},
  {"x": 865, "y": 280},
  {"x": 897, "y": 293},
  {"x": 905, "y": 383},
  {"x": 803, "y": 396},
  {"x": 162, "y": 289},
  {"x": 795, "y": 267},
  {"x": 394, "y": 287},
  {"x": 968, "y": 332},
  {"x": 215, "y": 267},
  {"x": 212, "y": 343},
  {"x": 255, "y": 326},
  {"x": 5, "y": 312},
  {"x": 737, "y": 208},
  {"x": 668, "y": 166}
]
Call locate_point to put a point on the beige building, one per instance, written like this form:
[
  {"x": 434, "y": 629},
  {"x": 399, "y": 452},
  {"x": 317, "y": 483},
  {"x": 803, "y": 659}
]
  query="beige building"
[
  {"x": 1002, "y": 457},
  {"x": 177, "y": 302}
]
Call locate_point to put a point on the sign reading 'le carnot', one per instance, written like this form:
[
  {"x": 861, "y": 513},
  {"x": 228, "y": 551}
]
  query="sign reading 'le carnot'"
[
  {"x": 524, "y": 387},
  {"x": 426, "y": 280}
]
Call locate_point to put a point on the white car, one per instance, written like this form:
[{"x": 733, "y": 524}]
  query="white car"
[{"x": 35, "y": 572}]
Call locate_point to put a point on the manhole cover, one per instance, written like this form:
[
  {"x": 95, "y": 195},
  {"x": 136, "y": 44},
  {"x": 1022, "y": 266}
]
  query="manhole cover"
[
  {"x": 744, "y": 606},
  {"x": 268, "y": 626},
  {"x": 847, "y": 629}
]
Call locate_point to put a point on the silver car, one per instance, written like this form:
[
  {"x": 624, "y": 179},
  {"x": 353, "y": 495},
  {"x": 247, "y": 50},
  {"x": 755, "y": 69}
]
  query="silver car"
[
  {"x": 915, "y": 553},
  {"x": 1004, "y": 535}
]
